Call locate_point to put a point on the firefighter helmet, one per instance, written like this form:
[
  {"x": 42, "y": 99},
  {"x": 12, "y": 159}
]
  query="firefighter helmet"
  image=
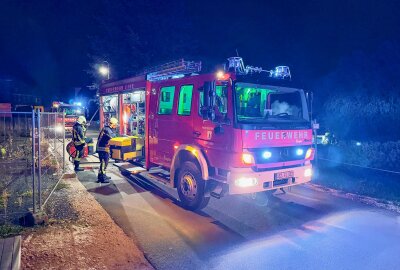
[
  {"x": 113, "y": 122},
  {"x": 81, "y": 120}
]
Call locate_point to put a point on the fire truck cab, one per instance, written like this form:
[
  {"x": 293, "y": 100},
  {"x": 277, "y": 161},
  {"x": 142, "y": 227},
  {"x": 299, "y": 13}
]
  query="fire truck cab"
[
  {"x": 71, "y": 113},
  {"x": 216, "y": 133}
]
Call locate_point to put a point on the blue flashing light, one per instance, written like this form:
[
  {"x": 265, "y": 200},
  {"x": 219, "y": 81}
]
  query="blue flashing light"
[
  {"x": 358, "y": 143},
  {"x": 281, "y": 72},
  {"x": 267, "y": 154},
  {"x": 299, "y": 152}
]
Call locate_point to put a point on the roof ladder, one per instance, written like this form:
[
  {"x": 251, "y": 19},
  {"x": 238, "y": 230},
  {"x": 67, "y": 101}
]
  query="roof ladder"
[{"x": 175, "y": 69}]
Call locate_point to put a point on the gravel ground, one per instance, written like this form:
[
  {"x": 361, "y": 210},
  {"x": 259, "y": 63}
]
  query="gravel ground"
[{"x": 80, "y": 235}]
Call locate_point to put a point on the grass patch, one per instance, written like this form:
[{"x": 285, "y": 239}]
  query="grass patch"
[
  {"x": 61, "y": 186},
  {"x": 359, "y": 181},
  {"x": 10, "y": 230}
]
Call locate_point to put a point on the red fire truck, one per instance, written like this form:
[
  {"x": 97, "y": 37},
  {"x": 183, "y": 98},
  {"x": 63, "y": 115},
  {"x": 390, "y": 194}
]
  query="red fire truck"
[
  {"x": 235, "y": 131},
  {"x": 71, "y": 111}
]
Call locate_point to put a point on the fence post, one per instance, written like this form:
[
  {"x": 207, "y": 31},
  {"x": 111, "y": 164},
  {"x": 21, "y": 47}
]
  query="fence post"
[
  {"x": 39, "y": 162},
  {"x": 33, "y": 161},
  {"x": 55, "y": 131},
  {"x": 63, "y": 150}
]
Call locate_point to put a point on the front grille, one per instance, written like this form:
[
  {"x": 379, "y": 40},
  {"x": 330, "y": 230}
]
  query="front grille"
[
  {"x": 279, "y": 154},
  {"x": 254, "y": 168}
]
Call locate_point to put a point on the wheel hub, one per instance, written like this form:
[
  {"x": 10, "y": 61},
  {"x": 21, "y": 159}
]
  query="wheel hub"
[{"x": 189, "y": 186}]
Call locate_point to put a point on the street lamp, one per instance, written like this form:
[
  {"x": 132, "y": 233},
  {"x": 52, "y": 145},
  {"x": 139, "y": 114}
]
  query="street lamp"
[{"x": 104, "y": 70}]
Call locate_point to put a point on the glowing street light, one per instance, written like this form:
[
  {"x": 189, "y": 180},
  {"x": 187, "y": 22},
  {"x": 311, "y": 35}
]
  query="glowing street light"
[{"x": 105, "y": 70}]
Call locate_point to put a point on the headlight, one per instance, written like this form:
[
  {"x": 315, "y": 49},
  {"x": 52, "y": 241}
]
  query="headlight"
[
  {"x": 59, "y": 129},
  {"x": 299, "y": 152},
  {"x": 248, "y": 159},
  {"x": 246, "y": 182},
  {"x": 308, "y": 172}
]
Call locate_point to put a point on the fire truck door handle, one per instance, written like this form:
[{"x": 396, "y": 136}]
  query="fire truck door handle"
[{"x": 196, "y": 133}]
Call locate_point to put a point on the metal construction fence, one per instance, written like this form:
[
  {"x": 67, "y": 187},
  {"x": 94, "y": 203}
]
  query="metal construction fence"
[{"x": 32, "y": 161}]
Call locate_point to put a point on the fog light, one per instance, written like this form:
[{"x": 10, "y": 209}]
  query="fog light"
[
  {"x": 308, "y": 172},
  {"x": 246, "y": 182}
]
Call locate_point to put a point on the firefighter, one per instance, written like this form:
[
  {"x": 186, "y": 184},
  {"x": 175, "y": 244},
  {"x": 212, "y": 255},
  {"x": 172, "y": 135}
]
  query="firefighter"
[
  {"x": 79, "y": 140},
  {"x": 103, "y": 148}
]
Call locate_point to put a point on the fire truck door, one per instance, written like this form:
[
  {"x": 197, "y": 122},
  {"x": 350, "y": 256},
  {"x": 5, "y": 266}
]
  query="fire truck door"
[
  {"x": 163, "y": 124},
  {"x": 183, "y": 125},
  {"x": 216, "y": 143},
  {"x": 153, "y": 124}
]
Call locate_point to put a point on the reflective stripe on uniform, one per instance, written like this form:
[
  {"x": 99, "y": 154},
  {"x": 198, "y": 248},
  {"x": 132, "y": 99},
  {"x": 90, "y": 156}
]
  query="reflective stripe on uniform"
[{"x": 103, "y": 149}]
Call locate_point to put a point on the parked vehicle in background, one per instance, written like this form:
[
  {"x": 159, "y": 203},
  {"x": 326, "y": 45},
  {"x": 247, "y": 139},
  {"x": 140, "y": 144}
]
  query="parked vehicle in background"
[
  {"x": 5, "y": 107},
  {"x": 236, "y": 131},
  {"x": 71, "y": 113}
]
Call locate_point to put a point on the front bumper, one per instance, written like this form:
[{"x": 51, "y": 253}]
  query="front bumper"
[{"x": 265, "y": 180}]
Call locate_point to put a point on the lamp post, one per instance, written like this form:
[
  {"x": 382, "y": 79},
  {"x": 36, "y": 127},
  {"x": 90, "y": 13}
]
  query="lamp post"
[{"x": 104, "y": 70}]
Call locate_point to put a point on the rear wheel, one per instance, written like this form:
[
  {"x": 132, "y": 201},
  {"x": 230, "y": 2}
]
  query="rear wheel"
[{"x": 191, "y": 187}]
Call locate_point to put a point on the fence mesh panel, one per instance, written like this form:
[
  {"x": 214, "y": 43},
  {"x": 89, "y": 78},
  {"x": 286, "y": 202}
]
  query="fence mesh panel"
[
  {"x": 16, "y": 165},
  {"x": 51, "y": 149},
  {"x": 26, "y": 175}
]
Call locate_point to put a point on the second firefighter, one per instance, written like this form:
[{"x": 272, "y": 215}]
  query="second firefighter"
[
  {"x": 79, "y": 140},
  {"x": 103, "y": 148}
]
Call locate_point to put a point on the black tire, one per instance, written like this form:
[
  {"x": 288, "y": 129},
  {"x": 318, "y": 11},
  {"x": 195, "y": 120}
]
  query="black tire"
[{"x": 191, "y": 187}]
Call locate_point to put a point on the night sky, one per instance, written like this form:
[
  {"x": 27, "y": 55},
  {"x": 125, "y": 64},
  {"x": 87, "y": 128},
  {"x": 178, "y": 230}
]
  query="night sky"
[{"x": 52, "y": 45}]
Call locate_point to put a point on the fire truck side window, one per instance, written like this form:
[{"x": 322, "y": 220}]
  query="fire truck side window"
[
  {"x": 221, "y": 99},
  {"x": 185, "y": 100},
  {"x": 166, "y": 101}
]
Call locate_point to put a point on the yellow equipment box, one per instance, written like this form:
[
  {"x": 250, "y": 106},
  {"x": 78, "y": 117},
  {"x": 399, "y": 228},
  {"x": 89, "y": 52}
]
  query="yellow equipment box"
[{"x": 126, "y": 148}]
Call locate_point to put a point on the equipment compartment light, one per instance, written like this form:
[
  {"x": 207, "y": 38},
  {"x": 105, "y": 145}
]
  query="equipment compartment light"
[
  {"x": 247, "y": 158},
  {"x": 266, "y": 154},
  {"x": 246, "y": 182}
]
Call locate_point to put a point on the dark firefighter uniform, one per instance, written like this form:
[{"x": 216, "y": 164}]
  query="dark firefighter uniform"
[
  {"x": 79, "y": 140},
  {"x": 103, "y": 149}
]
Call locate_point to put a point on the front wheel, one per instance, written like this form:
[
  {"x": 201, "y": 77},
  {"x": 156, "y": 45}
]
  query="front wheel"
[{"x": 191, "y": 187}]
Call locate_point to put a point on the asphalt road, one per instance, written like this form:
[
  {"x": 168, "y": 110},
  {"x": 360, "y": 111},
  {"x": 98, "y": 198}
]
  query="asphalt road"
[{"x": 302, "y": 229}]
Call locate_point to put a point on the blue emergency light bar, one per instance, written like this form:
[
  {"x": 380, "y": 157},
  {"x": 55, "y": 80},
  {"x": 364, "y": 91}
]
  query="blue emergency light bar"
[{"x": 236, "y": 64}]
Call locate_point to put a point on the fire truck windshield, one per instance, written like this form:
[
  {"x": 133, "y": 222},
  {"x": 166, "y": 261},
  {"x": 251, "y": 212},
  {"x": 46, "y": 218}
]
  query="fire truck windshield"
[
  {"x": 261, "y": 103},
  {"x": 71, "y": 111}
]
